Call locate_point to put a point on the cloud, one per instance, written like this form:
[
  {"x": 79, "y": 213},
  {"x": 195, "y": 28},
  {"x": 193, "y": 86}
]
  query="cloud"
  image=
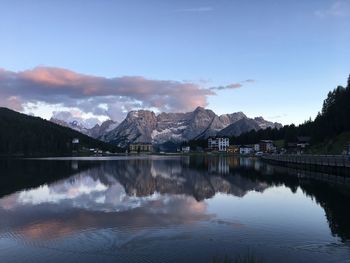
[
  {"x": 12, "y": 102},
  {"x": 76, "y": 116},
  {"x": 196, "y": 9},
  {"x": 233, "y": 85},
  {"x": 249, "y": 81},
  {"x": 230, "y": 86},
  {"x": 86, "y": 92},
  {"x": 280, "y": 116},
  {"x": 337, "y": 9}
]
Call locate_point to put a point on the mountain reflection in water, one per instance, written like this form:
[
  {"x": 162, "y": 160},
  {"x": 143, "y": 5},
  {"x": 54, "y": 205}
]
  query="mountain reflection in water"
[{"x": 140, "y": 208}]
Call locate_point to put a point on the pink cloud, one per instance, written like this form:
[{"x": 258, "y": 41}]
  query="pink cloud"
[
  {"x": 11, "y": 102},
  {"x": 56, "y": 85}
]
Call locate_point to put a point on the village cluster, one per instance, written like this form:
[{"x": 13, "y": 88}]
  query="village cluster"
[{"x": 222, "y": 145}]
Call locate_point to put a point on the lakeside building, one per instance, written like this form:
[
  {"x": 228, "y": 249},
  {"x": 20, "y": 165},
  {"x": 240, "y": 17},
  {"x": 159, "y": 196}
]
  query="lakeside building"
[
  {"x": 246, "y": 149},
  {"x": 266, "y": 146},
  {"x": 185, "y": 149},
  {"x": 257, "y": 147},
  {"x": 233, "y": 148},
  {"x": 75, "y": 145},
  {"x": 140, "y": 148},
  {"x": 300, "y": 146},
  {"x": 220, "y": 144},
  {"x": 303, "y": 142}
]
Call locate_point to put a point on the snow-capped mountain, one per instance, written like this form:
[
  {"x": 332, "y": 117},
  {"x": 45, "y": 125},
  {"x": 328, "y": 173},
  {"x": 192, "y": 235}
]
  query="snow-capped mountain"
[
  {"x": 145, "y": 126},
  {"x": 95, "y": 132},
  {"x": 75, "y": 125}
]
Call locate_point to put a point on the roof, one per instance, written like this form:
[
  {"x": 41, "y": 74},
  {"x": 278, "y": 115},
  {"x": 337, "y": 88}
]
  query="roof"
[
  {"x": 141, "y": 143},
  {"x": 267, "y": 141},
  {"x": 304, "y": 139}
]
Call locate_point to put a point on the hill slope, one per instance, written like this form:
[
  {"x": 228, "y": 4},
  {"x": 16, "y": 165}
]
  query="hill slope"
[
  {"x": 335, "y": 145},
  {"x": 23, "y": 135}
]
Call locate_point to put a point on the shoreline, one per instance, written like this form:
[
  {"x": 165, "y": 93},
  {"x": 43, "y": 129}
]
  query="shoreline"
[{"x": 331, "y": 164}]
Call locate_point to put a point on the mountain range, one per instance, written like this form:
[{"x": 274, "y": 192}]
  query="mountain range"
[
  {"x": 95, "y": 132},
  {"x": 147, "y": 127}
]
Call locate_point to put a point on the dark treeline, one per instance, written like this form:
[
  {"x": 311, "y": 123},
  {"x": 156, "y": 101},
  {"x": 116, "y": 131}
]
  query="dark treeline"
[
  {"x": 333, "y": 120},
  {"x": 23, "y": 135}
]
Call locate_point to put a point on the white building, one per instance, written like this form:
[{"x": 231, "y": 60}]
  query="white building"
[
  {"x": 185, "y": 149},
  {"x": 219, "y": 144},
  {"x": 246, "y": 150},
  {"x": 257, "y": 147}
]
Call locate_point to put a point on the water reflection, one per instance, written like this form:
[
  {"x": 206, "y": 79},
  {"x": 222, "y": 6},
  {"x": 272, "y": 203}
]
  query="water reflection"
[{"x": 192, "y": 200}]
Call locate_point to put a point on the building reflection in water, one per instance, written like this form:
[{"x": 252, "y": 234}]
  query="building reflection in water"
[{"x": 219, "y": 165}]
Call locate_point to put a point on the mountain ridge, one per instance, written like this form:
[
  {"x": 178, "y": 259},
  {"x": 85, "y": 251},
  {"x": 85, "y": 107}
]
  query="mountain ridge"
[
  {"x": 95, "y": 132},
  {"x": 144, "y": 126}
]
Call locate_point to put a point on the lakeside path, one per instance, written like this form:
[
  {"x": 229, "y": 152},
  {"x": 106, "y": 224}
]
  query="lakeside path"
[{"x": 339, "y": 164}]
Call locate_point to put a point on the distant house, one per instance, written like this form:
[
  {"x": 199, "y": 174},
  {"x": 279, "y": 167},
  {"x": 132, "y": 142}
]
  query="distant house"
[
  {"x": 233, "y": 149},
  {"x": 300, "y": 146},
  {"x": 246, "y": 149},
  {"x": 266, "y": 146},
  {"x": 75, "y": 142},
  {"x": 140, "y": 148},
  {"x": 257, "y": 147},
  {"x": 303, "y": 142},
  {"x": 185, "y": 149},
  {"x": 218, "y": 144}
]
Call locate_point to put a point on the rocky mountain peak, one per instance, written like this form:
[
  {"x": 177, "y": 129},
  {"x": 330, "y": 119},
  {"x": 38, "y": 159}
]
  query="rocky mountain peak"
[
  {"x": 199, "y": 109},
  {"x": 146, "y": 126},
  {"x": 95, "y": 132},
  {"x": 140, "y": 114},
  {"x": 260, "y": 118}
]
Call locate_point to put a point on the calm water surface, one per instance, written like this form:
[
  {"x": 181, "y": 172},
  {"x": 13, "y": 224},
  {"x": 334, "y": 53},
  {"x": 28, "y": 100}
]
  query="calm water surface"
[{"x": 169, "y": 209}]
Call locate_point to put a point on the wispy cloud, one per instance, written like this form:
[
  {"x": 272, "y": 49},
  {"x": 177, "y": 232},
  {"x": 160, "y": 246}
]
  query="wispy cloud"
[
  {"x": 196, "y": 9},
  {"x": 233, "y": 85},
  {"x": 276, "y": 117},
  {"x": 339, "y": 8},
  {"x": 248, "y": 81}
]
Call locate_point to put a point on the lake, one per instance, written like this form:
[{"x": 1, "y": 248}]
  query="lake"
[{"x": 169, "y": 209}]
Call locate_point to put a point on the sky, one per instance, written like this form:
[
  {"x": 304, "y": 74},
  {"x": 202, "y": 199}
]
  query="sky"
[{"x": 98, "y": 59}]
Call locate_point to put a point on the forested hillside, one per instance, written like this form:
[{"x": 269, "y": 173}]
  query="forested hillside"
[{"x": 23, "y": 135}]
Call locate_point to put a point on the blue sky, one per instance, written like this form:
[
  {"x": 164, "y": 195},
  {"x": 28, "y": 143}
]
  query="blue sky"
[{"x": 295, "y": 51}]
